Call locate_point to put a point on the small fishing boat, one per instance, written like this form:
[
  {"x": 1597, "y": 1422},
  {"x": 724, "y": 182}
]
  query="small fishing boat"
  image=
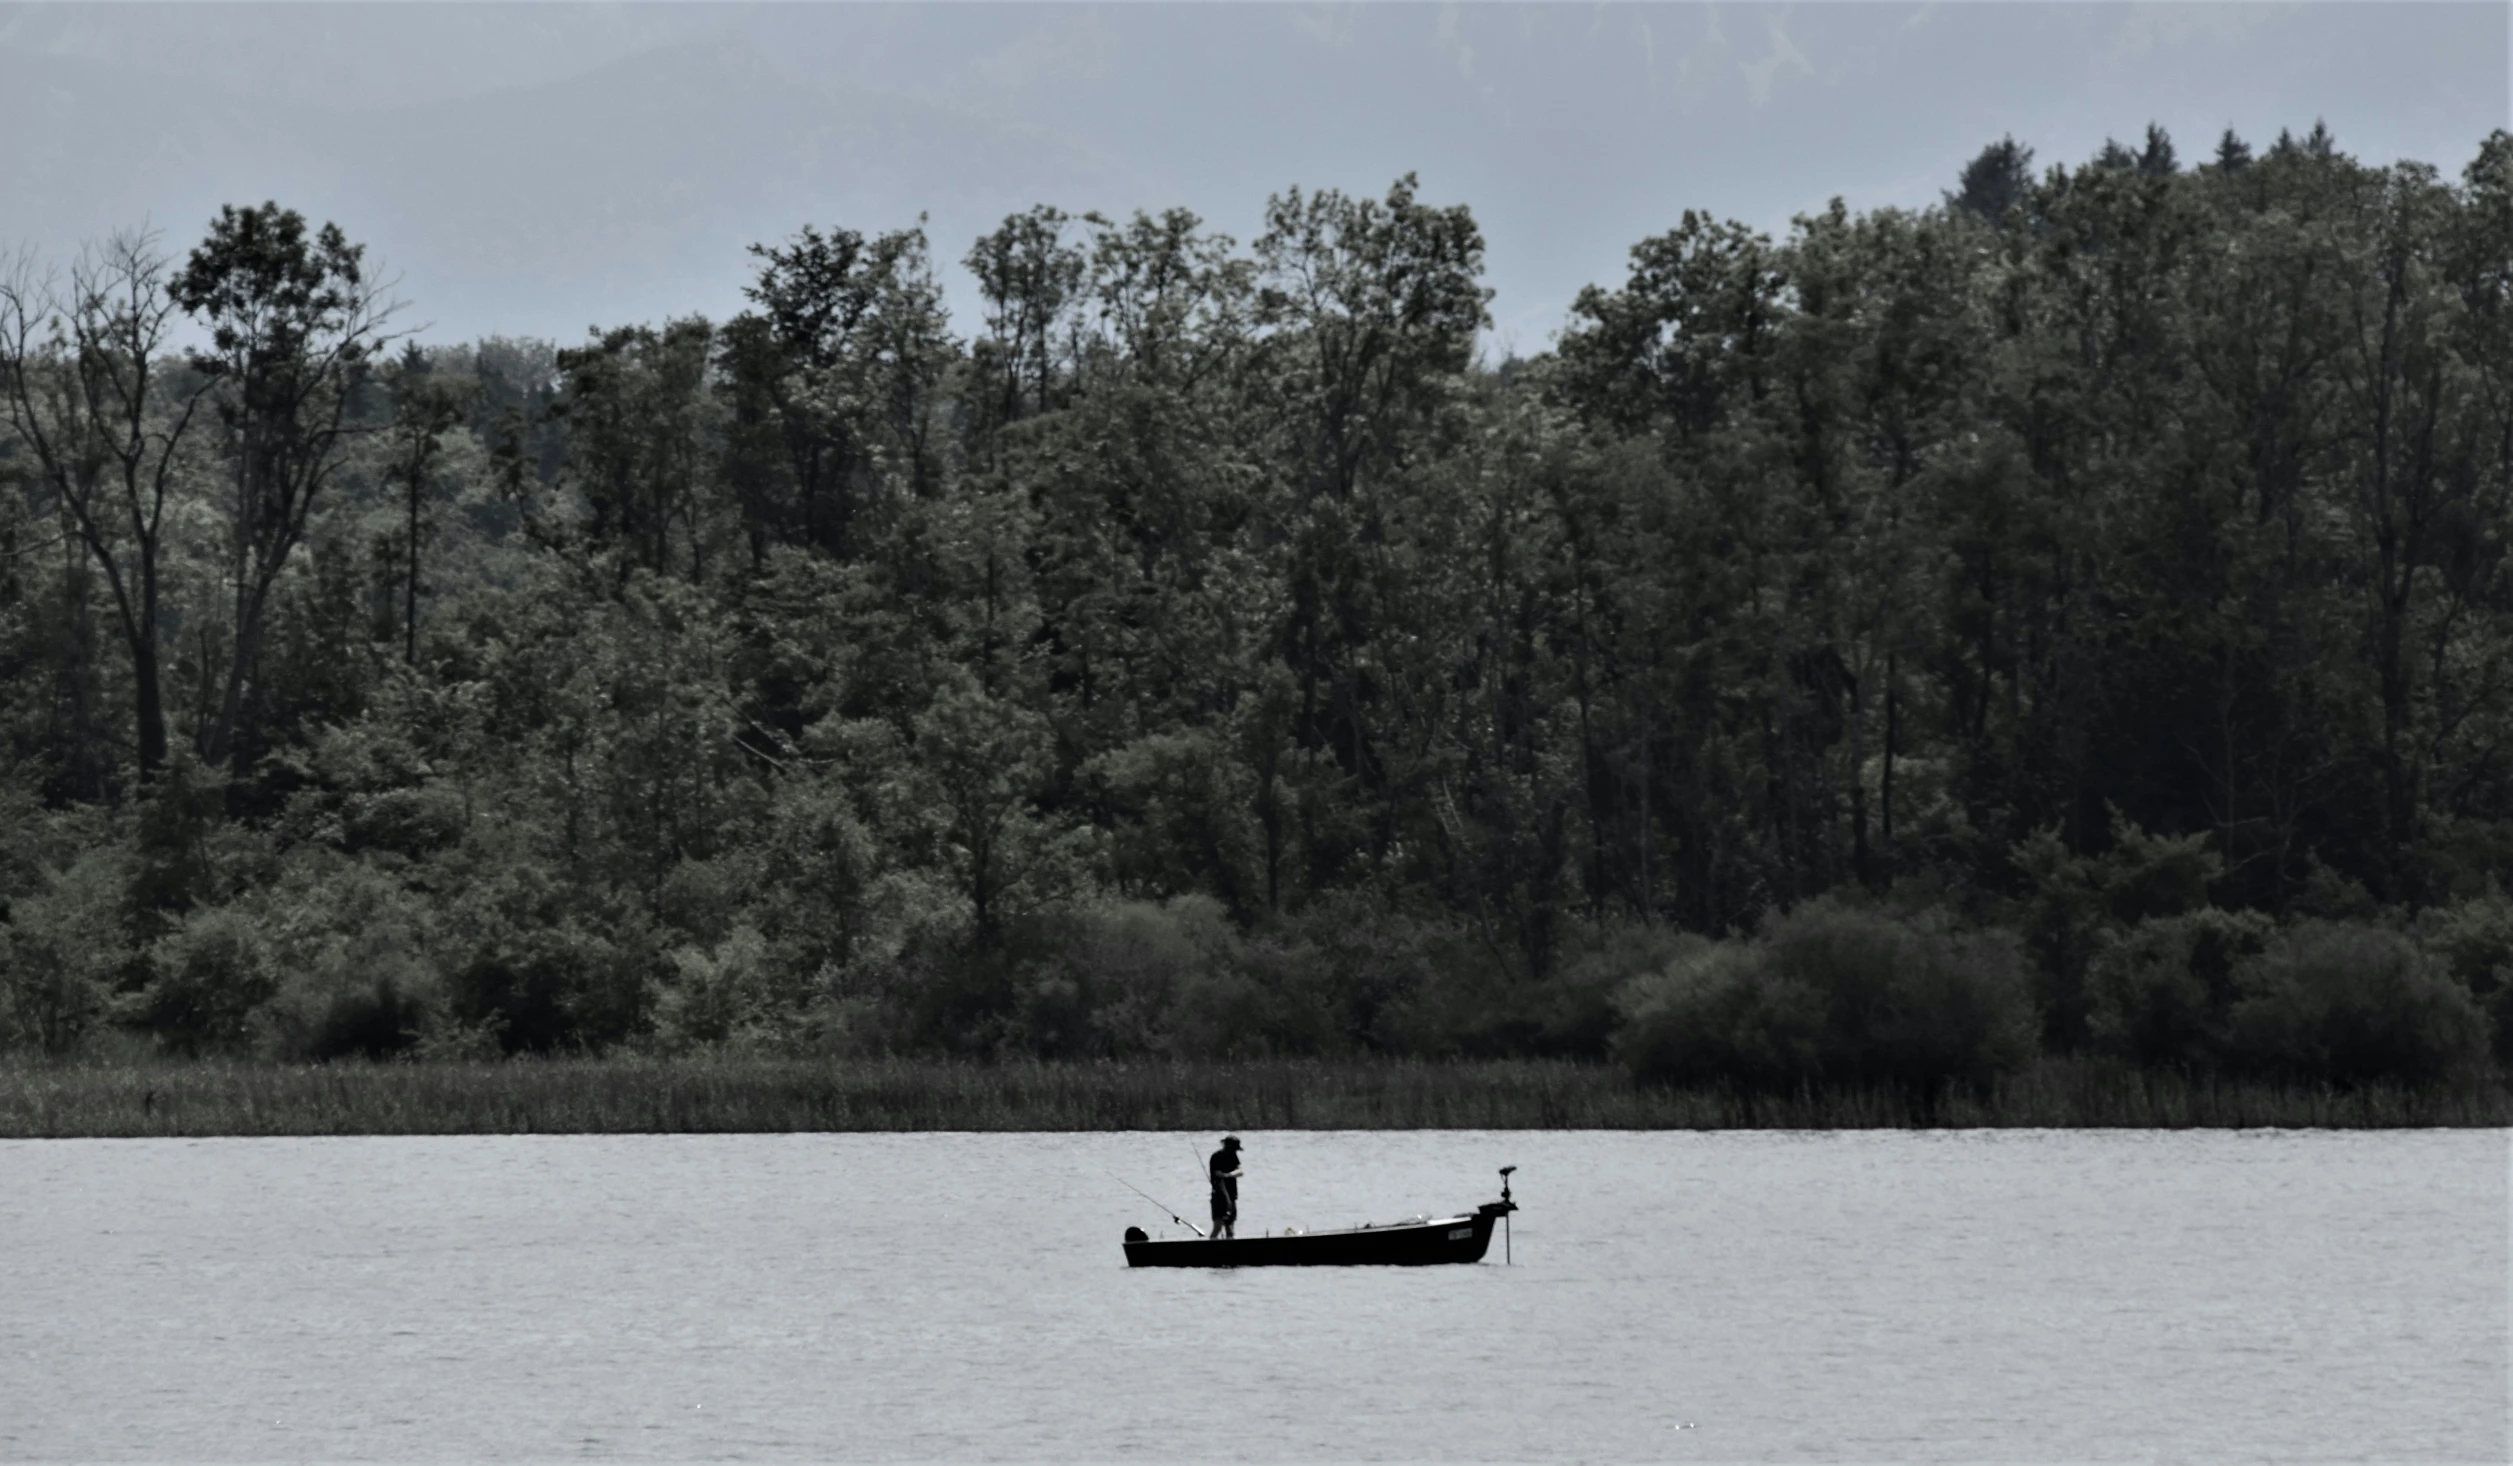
[{"x": 1414, "y": 1242}]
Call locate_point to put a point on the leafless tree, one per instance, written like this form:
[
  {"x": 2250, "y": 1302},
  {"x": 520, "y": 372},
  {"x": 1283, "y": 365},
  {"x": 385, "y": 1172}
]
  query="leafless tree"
[{"x": 95, "y": 393}]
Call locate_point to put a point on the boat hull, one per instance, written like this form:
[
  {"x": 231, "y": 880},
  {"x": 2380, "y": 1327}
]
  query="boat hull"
[{"x": 1415, "y": 1244}]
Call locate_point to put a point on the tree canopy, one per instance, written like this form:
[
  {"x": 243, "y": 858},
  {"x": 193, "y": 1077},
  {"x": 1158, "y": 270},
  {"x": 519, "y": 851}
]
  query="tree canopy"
[{"x": 2087, "y": 598}]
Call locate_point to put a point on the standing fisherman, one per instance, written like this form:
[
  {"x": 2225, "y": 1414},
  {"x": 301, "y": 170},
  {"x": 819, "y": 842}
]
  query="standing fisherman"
[{"x": 1225, "y": 1170}]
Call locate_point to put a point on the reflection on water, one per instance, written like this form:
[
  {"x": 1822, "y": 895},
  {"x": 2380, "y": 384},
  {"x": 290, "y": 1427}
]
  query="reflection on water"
[{"x": 1995, "y": 1295}]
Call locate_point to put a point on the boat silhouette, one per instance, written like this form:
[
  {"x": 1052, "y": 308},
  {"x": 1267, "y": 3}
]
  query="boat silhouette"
[{"x": 1415, "y": 1242}]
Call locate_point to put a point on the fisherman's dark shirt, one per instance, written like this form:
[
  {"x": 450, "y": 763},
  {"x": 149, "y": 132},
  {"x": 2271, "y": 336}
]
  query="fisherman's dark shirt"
[{"x": 1225, "y": 1185}]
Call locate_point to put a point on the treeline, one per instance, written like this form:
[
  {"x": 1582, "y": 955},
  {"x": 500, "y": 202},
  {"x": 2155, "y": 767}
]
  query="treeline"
[{"x": 2074, "y": 619}]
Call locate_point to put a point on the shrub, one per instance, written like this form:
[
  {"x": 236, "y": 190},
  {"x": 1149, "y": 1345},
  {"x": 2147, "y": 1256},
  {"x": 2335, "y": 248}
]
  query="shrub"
[
  {"x": 1719, "y": 1014},
  {"x": 2162, "y": 993},
  {"x": 1183, "y": 806},
  {"x": 2474, "y": 940},
  {"x": 951, "y": 993},
  {"x": 411, "y": 821},
  {"x": 356, "y": 950},
  {"x": 1382, "y": 969},
  {"x": 1571, "y": 1012},
  {"x": 377, "y": 1021},
  {"x": 1912, "y": 1003},
  {"x": 1110, "y": 983},
  {"x": 1122, "y": 979},
  {"x": 207, "y": 979},
  {"x": 1275, "y": 1000},
  {"x": 64, "y": 951},
  {"x": 2075, "y": 904},
  {"x": 721, "y": 995},
  {"x": 1832, "y": 995},
  {"x": 1438, "y": 988},
  {"x": 544, "y": 989},
  {"x": 2347, "y": 1003}
]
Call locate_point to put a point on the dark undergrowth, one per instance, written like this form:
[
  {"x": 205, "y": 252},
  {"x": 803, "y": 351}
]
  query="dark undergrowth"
[{"x": 718, "y": 1095}]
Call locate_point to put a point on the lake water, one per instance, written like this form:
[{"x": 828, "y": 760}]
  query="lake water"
[{"x": 2009, "y": 1296}]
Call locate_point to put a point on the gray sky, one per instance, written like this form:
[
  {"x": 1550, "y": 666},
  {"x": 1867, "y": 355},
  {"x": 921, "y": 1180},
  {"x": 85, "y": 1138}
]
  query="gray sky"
[{"x": 541, "y": 169}]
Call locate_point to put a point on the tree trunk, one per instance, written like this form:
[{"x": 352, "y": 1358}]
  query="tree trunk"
[
  {"x": 145, "y": 689},
  {"x": 1893, "y": 731},
  {"x": 410, "y": 589},
  {"x": 220, "y": 742}
]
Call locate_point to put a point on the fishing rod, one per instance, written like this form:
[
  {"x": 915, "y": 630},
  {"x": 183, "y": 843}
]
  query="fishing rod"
[{"x": 1156, "y": 1201}]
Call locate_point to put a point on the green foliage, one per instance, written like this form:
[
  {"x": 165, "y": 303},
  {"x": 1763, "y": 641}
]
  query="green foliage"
[
  {"x": 293, "y": 323},
  {"x": 206, "y": 981},
  {"x": 834, "y": 388},
  {"x": 819, "y": 905},
  {"x": 1915, "y": 1003},
  {"x": 1188, "y": 820},
  {"x": 640, "y": 426},
  {"x": 67, "y": 950},
  {"x": 405, "y": 821},
  {"x": 2161, "y": 994},
  {"x": 357, "y": 951},
  {"x": 1570, "y": 1010},
  {"x": 178, "y": 842},
  {"x": 1388, "y": 972},
  {"x": 1721, "y": 1014},
  {"x": 547, "y": 988},
  {"x": 2076, "y": 906},
  {"x": 1997, "y": 180},
  {"x": 1132, "y": 978},
  {"x": 723, "y": 995},
  {"x": 1832, "y": 995},
  {"x": 1274, "y": 1000},
  {"x": 1209, "y": 655},
  {"x": 2349, "y": 1004},
  {"x": 2474, "y": 941}
]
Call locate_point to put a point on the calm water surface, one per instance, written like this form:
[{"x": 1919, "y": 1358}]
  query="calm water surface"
[{"x": 2010, "y": 1296}]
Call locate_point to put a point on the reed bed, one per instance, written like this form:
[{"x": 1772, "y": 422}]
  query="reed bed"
[{"x": 725, "y": 1094}]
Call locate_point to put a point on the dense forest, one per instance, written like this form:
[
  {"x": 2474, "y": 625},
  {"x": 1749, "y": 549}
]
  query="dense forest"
[{"x": 2075, "y": 618}]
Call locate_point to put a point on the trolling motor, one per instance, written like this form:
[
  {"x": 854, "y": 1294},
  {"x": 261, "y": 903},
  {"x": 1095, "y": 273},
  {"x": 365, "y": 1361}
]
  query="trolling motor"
[{"x": 1507, "y": 1206}]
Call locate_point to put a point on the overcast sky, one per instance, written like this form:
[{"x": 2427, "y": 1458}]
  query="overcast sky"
[{"x": 542, "y": 169}]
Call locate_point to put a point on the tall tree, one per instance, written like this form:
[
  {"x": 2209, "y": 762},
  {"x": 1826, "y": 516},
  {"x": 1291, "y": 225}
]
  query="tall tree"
[
  {"x": 2157, "y": 159},
  {"x": 295, "y": 318},
  {"x": 95, "y": 398},
  {"x": 427, "y": 406},
  {"x": 1995, "y": 181},
  {"x": 1370, "y": 310},
  {"x": 842, "y": 366},
  {"x": 1028, "y": 277},
  {"x": 2425, "y": 426},
  {"x": 642, "y": 428}
]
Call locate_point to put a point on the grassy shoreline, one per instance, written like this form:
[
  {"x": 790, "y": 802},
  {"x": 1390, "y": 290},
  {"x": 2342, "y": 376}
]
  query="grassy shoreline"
[{"x": 732, "y": 1095}]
